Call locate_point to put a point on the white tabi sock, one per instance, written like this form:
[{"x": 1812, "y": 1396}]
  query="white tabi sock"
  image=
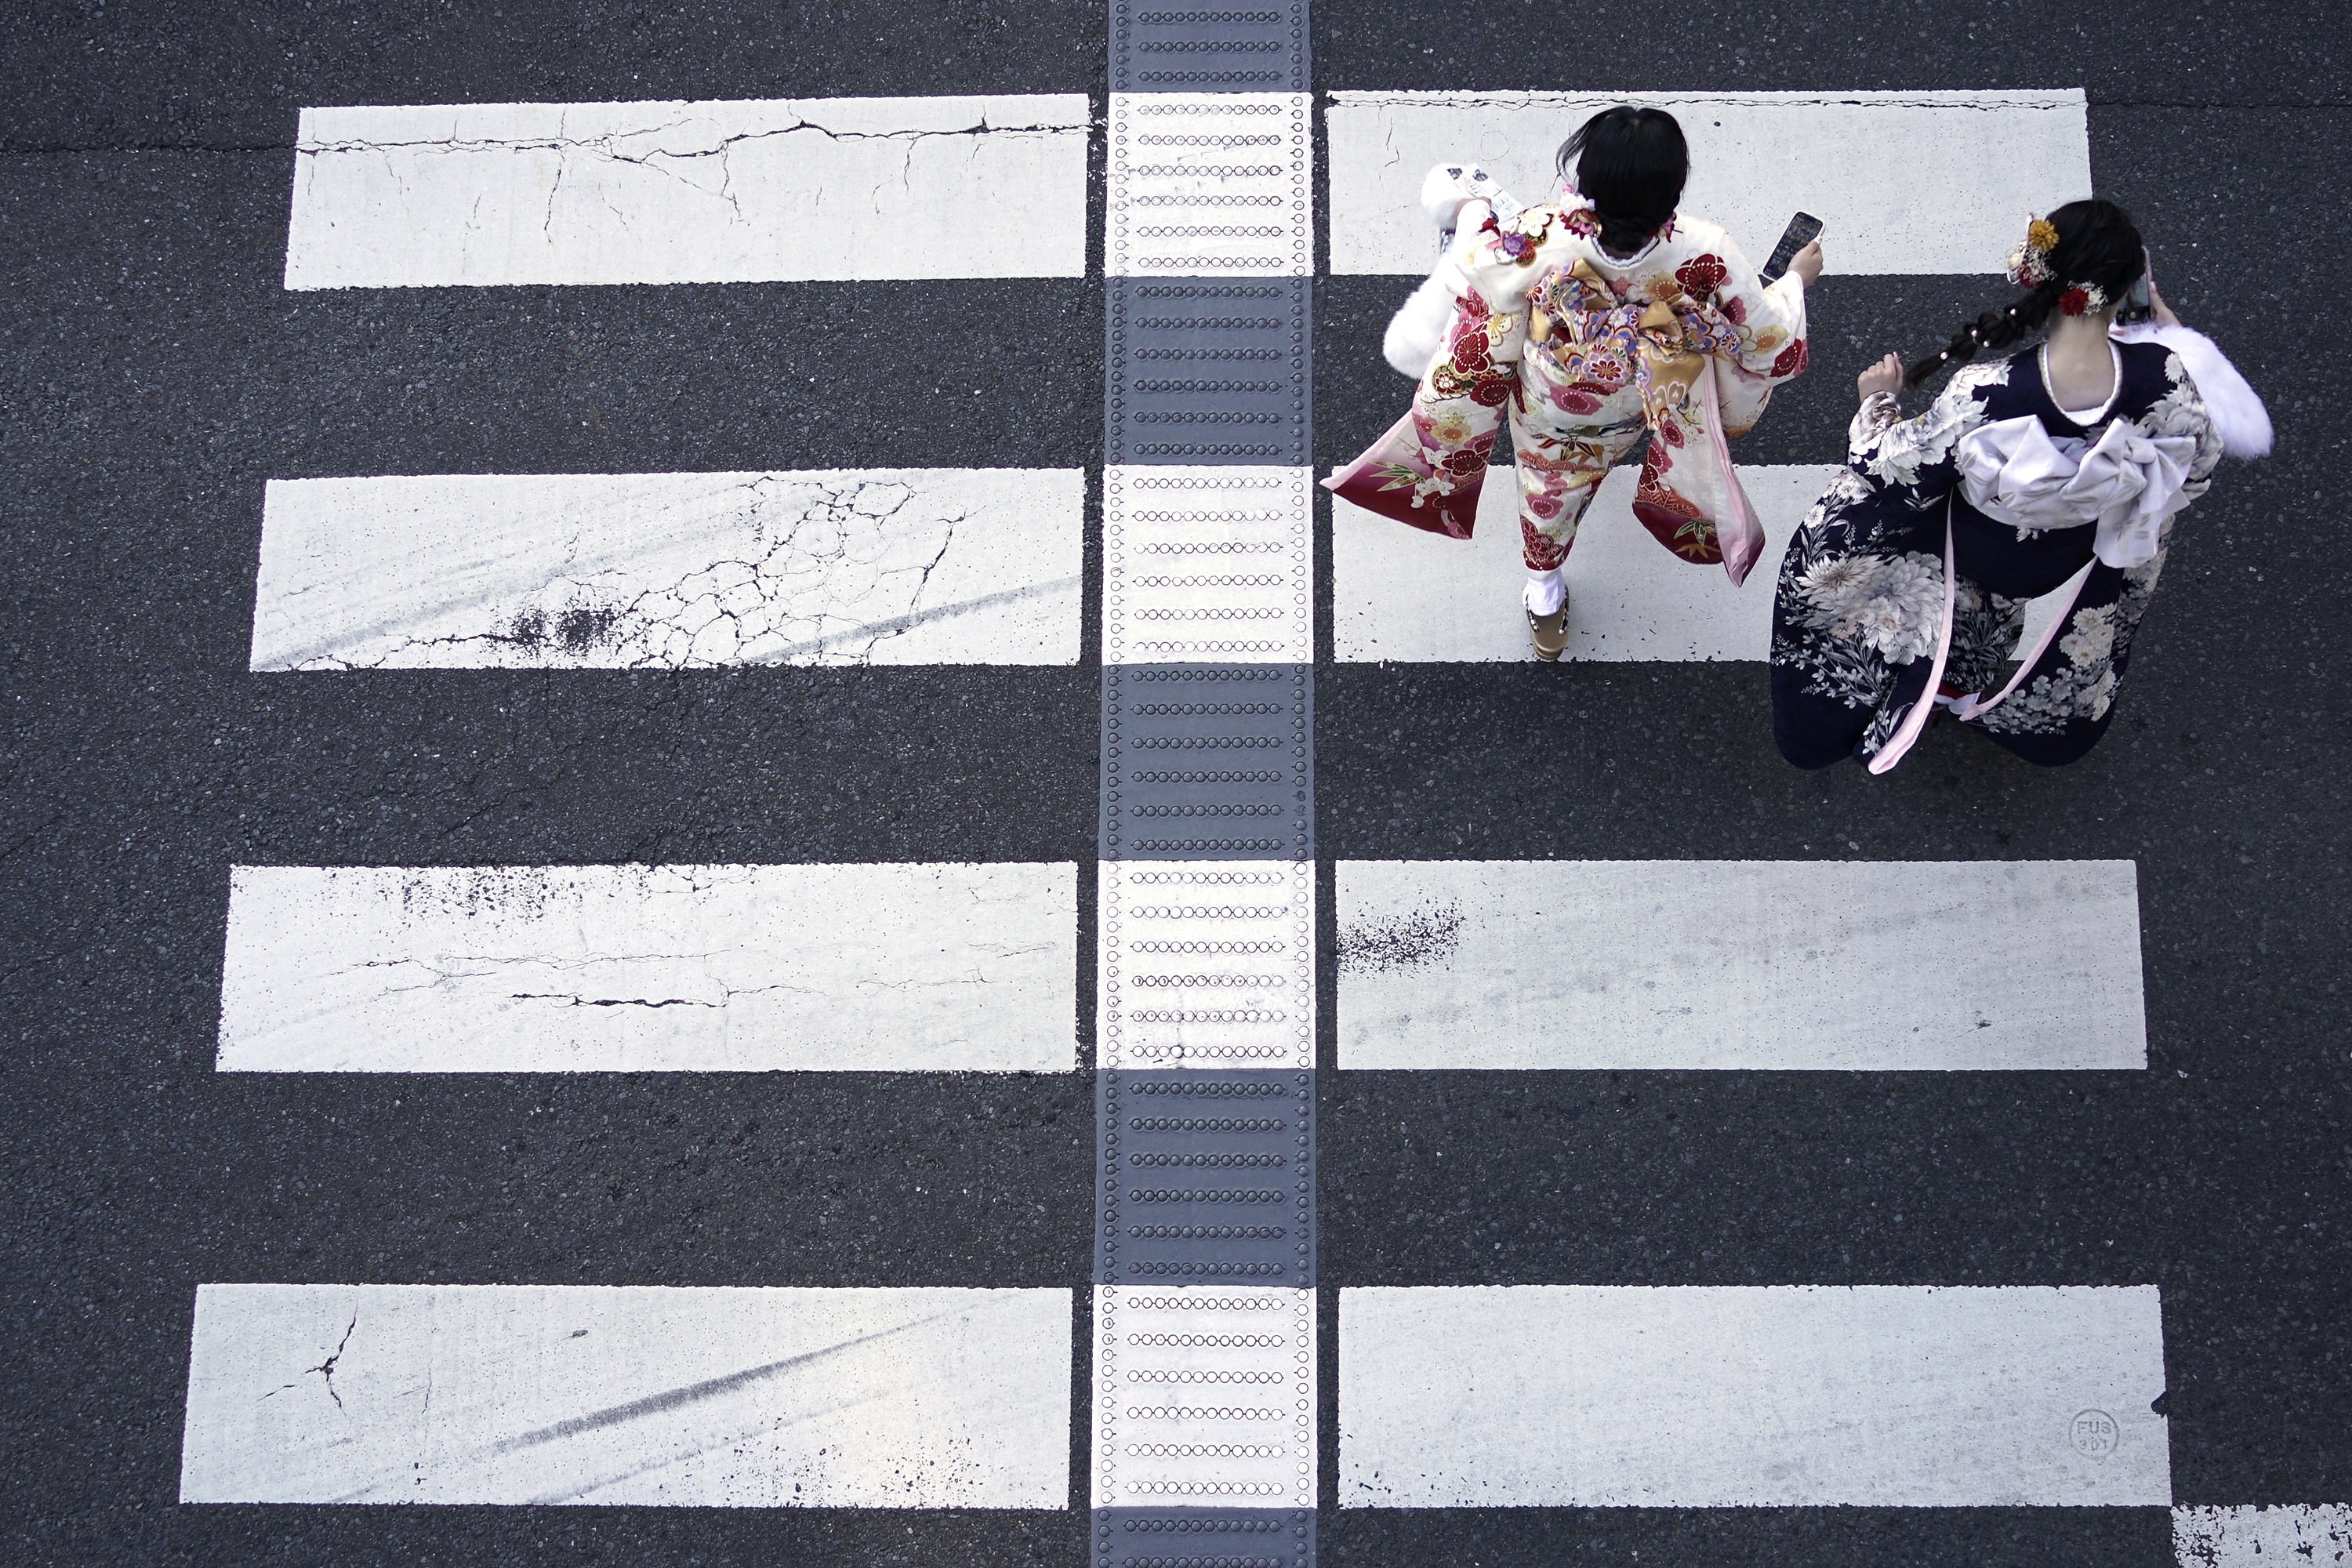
[{"x": 1546, "y": 593}]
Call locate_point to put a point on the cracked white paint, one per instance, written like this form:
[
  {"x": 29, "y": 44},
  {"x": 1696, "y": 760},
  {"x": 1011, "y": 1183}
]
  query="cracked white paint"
[
  {"x": 1401, "y": 595},
  {"x": 1776, "y": 965},
  {"x": 1715, "y": 1397},
  {"x": 1905, "y": 182},
  {"x": 887, "y": 566},
  {"x": 2287, "y": 1535},
  {"x": 650, "y": 968},
  {"x": 751, "y": 190},
  {"x": 643, "y": 1395}
]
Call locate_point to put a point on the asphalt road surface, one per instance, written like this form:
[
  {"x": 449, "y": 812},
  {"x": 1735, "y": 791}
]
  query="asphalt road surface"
[{"x": 157, "y": 373}]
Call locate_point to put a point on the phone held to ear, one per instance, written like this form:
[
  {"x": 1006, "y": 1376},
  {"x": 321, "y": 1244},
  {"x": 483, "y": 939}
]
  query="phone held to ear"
[{"x": 1802, "y": 230}]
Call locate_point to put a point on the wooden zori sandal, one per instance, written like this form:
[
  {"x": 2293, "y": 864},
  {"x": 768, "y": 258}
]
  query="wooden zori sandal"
[{"x": 1549, "y": 633}]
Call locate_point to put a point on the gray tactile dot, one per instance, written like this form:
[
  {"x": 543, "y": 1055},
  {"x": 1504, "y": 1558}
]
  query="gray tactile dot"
[
  {"x": 1203, "y": 1538},
  {"x": 1208, "y": 1177},
  {"x": 1207, "y": 371},
  {"x": 1255, "y": 49},
  {"x": 1206, "y": 762}
]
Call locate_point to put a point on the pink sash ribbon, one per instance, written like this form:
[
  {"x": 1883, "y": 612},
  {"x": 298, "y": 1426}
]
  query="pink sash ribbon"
[
  {"x": 1737, "y": 533},
  {"x": 1899, "y": 743}
]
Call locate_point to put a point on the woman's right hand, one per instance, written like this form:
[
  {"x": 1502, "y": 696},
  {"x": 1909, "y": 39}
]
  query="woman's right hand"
[
  {"x": 1807, "y": 263},
  {"x": 1886, "y": 376},
  {"x": 2158, "y": 311}
]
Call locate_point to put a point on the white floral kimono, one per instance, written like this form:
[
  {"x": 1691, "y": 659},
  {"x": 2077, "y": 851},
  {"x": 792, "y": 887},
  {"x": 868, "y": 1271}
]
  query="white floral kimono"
[
  {"x": 2016, "y": 497},
  {"x": 1590, "y": 351}
]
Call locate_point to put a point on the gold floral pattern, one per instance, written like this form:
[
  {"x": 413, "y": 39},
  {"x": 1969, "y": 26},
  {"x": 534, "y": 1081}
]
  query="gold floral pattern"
[{"x": 1584, "y": 354}]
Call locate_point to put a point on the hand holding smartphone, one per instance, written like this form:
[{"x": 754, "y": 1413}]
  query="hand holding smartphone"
[
  {"x": 1802, "y": 230},
  {"x": 2138, "y": 304}
]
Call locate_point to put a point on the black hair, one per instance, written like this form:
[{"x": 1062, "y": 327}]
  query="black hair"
[
  {"x": 1629, "y": 164},
  {"x": 2098, "y": 245}
]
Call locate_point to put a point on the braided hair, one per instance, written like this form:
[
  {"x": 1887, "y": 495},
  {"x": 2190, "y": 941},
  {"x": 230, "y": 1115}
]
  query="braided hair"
[
  {"x": 2097, "y": 246},
  {"x": 1631, "y": 165}
]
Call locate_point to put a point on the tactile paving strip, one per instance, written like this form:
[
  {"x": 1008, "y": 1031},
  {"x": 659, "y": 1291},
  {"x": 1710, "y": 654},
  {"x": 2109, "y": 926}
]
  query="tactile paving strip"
[
  {"x": 1209, "y": 185},
  {"x": 1205, "y": 1397},
  {"x": 1204, "y": 1262},
  {"x": 1207, "y": 760},
  {"x": 1205, "y": 1178},
  {"x": 1202, "y": 372},
  {"x": 1208, "y": 565},
  {"x": 1237, "y": 49},
  {"x": 1203, "y": 760},
  {"x": 1203, "y": 1538},
  {"x": 1205, "y": 964}
]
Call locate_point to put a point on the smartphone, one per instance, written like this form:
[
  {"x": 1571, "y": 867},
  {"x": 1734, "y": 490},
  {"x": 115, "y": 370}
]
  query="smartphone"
[
  {"x": 1802, "y": 230},
  {"x": 2137, "y": 304}
]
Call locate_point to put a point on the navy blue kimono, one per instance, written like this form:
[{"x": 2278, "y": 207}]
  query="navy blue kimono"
[{"x": 1858, "y": 611}]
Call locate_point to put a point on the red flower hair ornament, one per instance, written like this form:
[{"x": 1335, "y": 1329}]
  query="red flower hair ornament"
[{"x": 2082, "y": 299}]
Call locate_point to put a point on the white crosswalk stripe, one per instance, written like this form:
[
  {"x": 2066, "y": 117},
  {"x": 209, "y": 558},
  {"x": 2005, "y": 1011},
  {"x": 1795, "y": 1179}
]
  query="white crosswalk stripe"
[
  {"x": 698, "y": 1398},
  {"x": 885, "y": 567},
  {"x": 1402, "y": 596},
  {"x": 2300, "y": 1534},
  {"x": 1399, "y": 595},
  {"x": 650, "y": 968},
  {"x": 758, "y": 191},
  {"x": 1706, "y": 1397},
  {"x": 1760, "y": 965},
  {"x": 1905, "y": 182}
]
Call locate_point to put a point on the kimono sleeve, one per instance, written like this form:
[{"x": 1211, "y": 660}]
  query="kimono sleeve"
[
  {"x": 1770, "y": 316},
  {"x": 2234, "y": 409},
  {"x": 1429, "y": 466},
  {"x": 2182, "y": 411},
  {"x": 1915, "y": 460}
]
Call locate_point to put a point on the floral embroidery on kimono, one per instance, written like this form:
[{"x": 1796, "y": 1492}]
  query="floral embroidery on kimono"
[
  {"x": 1858, "y": 613},
  {"x": 1586, "y": 354}
]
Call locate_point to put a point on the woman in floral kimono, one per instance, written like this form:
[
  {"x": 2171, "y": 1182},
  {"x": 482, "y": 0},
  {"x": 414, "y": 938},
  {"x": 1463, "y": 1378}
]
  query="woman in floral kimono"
[
  {"x": 1595, "y": 320},
  {"x": 1906, "y": 585}
]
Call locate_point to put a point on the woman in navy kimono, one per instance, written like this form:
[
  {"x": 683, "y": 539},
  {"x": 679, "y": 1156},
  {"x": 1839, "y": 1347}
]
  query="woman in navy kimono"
[{"x": 1905, "y": 587}]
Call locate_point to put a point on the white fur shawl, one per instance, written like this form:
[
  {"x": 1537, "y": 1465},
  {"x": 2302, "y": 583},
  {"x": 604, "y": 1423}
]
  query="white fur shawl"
[{"x": 2237, "y": 415}]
